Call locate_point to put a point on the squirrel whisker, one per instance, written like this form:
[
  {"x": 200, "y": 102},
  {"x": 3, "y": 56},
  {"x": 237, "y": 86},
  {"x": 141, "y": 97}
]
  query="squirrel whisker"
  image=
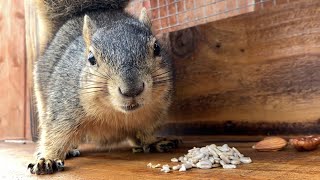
[
  {"x": 91, "y": 91},
  {"x": 103, "y": 77},
  {"x": 167, "y": 72},
  {"x": 156, "y": 70},
  {"x": 161, "y": 78},
  {"x": 93, "y": 82},
  {"x": 89, "y": 83},
  {"x": 87, "y": 92},
  {"x": 92, "y": 87},
  {"x": 162, "y": 82}
]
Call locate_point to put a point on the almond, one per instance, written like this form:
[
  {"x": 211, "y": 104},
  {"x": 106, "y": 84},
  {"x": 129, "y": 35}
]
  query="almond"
[{"x": 270, "y": 144}]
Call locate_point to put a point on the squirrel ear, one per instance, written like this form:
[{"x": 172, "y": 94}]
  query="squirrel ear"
[
  {"x": 144, "y": 18},
  {"x": 89, "y": 27}
]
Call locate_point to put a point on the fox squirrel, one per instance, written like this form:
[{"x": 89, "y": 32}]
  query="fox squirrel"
[{"x": 102, "y": 75}]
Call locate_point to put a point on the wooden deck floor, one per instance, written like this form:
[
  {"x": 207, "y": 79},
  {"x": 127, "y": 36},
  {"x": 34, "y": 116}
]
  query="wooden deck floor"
[{"x": 287, "y": 164}]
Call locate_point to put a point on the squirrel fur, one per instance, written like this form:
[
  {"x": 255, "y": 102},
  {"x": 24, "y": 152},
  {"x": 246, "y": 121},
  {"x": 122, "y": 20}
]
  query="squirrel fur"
[{"x": 102, "y": 75}]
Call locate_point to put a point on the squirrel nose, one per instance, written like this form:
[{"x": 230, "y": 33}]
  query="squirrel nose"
[{"x": 131, "y": 91}]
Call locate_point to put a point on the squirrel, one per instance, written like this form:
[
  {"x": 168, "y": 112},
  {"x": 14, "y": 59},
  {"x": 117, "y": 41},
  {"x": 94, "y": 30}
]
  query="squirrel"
[{"x": 103, "y": 75}]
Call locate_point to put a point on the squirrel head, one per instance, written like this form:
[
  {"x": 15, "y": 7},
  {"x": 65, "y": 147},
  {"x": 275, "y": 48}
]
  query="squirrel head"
[{"x": 126, "y": 69}]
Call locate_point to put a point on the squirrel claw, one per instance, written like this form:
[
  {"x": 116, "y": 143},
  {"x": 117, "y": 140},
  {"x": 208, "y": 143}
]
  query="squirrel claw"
[
  {"x": 162, "y": 145},
  {"x": 46, "y": 166},
  {"x": 73, "y": 153},
  {"x": 137, "y": 150}
]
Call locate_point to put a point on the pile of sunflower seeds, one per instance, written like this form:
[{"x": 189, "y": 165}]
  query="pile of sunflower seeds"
[{"x": 207, "y": 157}]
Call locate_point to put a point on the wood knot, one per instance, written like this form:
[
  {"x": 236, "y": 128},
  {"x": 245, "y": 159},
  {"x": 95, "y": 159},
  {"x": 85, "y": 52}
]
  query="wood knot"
[
  {"x": 184, "y": 42},
  {"x": 218, "y": 45}
]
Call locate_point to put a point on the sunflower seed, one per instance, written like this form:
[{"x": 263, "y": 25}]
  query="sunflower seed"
[
  {"x": 225, "y": 158},
  {"x": 215, "y": 165},
  {"x": 245, "y": 160},
  {"x": 235, "y": 162},
  {"x": 177, "y": 167},
  {"x": 237, "y": 152},
  {"x": 174, "y": 160},
  {"x": 207, "y": 157},
  {"x": 204, "y": 164},
  {"x": 187, "y": 165},
  {"x": 156, "y": 166},
  {"x": 183, "y": 168},
  {"x": 229, "y": 166},
  {"x": 165, "y": 168}
]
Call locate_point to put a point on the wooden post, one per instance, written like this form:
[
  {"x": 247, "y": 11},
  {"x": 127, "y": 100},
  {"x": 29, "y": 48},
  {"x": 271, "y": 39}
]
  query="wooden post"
[
  {"x": 12, "y": 70},
  {"x": 32, "y": 52}
]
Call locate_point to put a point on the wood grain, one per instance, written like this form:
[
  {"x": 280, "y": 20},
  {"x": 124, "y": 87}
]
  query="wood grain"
[
  {"x": 12, "y": 69},
  {"x": 259, "y": 67},
  {"x": 122, "y": 164},
  {"x": 33, "y": 48},
  {"x": 257, "y": 73}
]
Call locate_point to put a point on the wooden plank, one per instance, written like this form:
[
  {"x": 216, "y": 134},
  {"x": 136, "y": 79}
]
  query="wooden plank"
[
  {"x": 261, "y": 67},
  {"x": 33, "y": 48},
  {"x": 12, "y": 69},
  {"x": 115, "y": 164}
]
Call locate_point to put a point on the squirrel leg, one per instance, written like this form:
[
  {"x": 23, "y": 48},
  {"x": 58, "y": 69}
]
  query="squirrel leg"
[
  {"x": 73, "y": 153},
  {"x": 53, "y": 147},
  {"x": 149, "y": 143}
]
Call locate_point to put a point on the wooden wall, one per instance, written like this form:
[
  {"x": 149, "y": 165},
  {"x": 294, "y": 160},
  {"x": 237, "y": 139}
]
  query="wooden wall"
[
  {"x": 255, "y": 73},
  {"x": 13, "y": 119}
]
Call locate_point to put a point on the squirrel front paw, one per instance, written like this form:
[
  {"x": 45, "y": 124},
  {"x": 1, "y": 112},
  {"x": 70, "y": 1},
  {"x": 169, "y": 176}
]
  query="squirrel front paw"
[
  {"x": 165, "y": 145},
  {"x": 161, "y": 145},
  {"x": 72, "y": 153},
  {"x": 46, "y": 166}
]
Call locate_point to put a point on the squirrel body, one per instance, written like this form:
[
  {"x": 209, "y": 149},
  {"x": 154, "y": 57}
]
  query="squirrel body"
[{"x": 102, "y": 75}]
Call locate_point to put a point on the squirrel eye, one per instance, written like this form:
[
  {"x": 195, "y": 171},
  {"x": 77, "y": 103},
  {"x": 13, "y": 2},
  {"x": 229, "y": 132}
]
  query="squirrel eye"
[
  {"x": 92, "y": 59},
  {"x": 156, "y": 49}
]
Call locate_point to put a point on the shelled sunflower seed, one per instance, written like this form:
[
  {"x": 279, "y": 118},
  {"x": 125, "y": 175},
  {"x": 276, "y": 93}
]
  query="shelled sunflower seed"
[
  {"x": 174, "y": 160},
  {"x": 165, "y": 168},
  {"x": 208, "y": 157},
  {"x": 150, "y": 165}
]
